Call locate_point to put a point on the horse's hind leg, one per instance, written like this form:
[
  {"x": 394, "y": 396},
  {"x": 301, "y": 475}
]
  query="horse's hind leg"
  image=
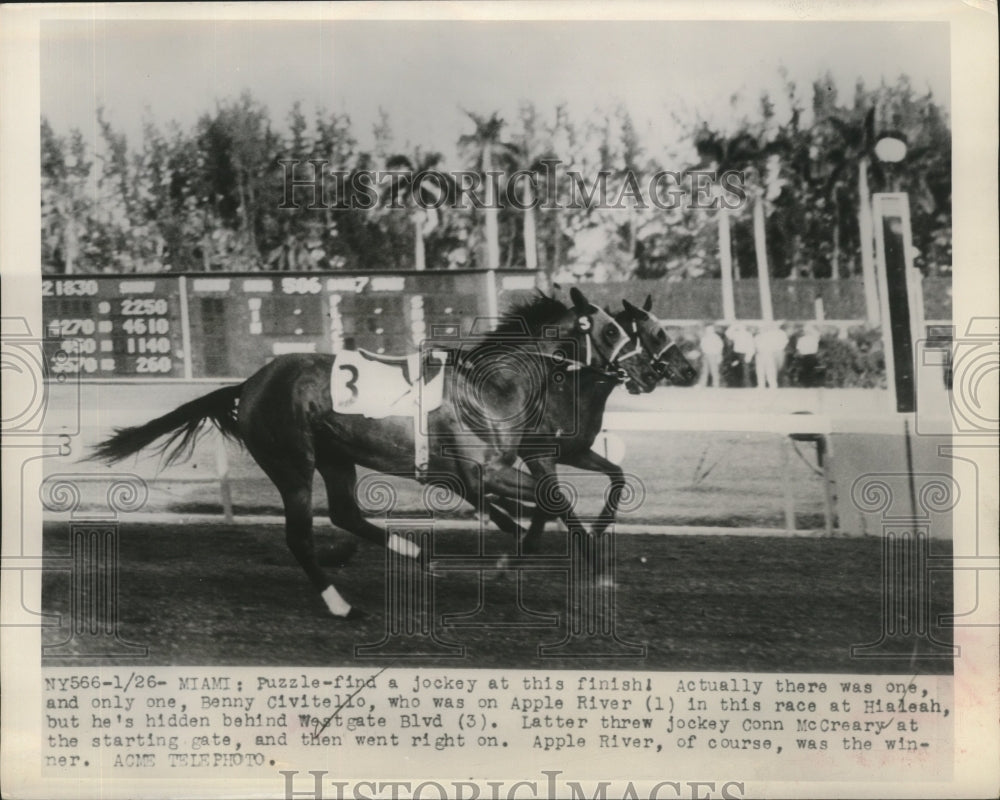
[
  {"x": 274, "y": 424},
  {"x": 293, "y": 478},
  {"x": 298, "y": 535},
  {"x": 533, "y": 538},
  {"x": 341, "y": 482}
]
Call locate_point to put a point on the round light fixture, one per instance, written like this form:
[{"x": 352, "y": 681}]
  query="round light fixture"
[{"x": 891, "y": 148}]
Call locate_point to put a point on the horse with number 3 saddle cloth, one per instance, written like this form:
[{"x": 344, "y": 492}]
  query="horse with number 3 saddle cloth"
[
  {"x": 544, "y": 369},
  {"x": 377, "y": 386}
]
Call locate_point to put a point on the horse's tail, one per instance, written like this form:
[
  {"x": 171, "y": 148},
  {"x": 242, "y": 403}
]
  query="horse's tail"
[{"x": 182, "y": 426}]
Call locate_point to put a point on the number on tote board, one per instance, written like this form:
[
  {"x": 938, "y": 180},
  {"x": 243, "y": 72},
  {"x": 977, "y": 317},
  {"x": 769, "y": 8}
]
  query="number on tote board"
[
  {"x": 71, "y": 288},
  {"x": 71, "y": 327},
  {"x": 140, "y": 326},
  {"x": 309, "y": 285},
  {"x": 135, "y": 306},
  {"x": 148, "y": 364}
]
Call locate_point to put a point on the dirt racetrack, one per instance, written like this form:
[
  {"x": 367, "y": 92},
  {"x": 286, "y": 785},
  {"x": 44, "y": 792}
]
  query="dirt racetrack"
[
  {"x": 226, "y": 595},
  {"x": 206, "y": 593}
]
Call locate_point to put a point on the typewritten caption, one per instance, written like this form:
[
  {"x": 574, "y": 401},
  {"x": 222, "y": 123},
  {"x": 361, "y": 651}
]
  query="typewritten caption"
[{"x": 188, "y": 721}]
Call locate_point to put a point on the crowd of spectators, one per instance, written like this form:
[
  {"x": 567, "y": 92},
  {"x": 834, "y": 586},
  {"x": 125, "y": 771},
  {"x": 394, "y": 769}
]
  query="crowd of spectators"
[{"x": 765, "y": 356}]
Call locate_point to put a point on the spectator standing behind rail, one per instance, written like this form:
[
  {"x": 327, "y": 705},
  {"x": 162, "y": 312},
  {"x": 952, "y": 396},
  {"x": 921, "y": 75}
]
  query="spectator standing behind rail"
[
  {"x": 711, "y": 345},
  {"x": 743, "y": 351},
  {"x": 770, "y": 343},
  {"x": 807, "y": 355}
]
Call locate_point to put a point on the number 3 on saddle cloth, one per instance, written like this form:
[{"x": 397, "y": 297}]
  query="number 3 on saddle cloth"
[{"x": 377, "y": 386}]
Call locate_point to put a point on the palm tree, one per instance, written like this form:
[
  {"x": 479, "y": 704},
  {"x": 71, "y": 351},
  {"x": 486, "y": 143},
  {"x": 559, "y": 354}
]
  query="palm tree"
[
  {"x": 239, "y": 147},
  {"x": 65, "y": 172},
  {"x": 420, "y": 196},
  {"x": 760, "y": 159},
  {"x": 855, "y": 144},
  {"x": 721, "y": 153},
  {"x": 562, "y": 135},
  {"x": 631, "y": 156},
  {"x": 532, "y": 167},
  {"x": 486, "y": 148}
]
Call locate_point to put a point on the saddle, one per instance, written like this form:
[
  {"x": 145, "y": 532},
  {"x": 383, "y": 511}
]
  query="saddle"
[{"x": 379, "y": 386}]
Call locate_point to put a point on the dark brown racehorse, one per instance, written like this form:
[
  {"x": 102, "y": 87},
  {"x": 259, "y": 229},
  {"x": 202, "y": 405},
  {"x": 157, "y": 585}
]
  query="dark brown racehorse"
[
  {"x": 492, "y": 413},
  {"x": 576, "y": 450},
  {"x": 668, "y": 360}
]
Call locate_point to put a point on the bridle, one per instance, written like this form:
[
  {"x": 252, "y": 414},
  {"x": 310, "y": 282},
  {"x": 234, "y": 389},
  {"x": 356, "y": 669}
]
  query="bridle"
[
  {"x": 658, "y": 362},
  {"x": 611, "y": 360}
]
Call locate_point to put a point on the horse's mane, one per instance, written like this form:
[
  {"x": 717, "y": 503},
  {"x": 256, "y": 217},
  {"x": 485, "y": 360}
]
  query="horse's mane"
[
  {"x": 527, "y": 317},
  {"x": 524, "y": 320}
]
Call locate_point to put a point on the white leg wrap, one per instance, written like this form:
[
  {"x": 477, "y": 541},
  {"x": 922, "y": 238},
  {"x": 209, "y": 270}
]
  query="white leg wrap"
[
  {"x": 403, "y": 546},
  {"x": 338, "y": 606}
]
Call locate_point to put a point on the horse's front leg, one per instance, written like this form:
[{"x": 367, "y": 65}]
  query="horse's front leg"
[
  {"x": 594, "y": 462},
  {"x": 520, "y": 484},
  {"x": 550, "y": 498},
  {"x": 512, "y": 505},
  {"x": 532, "y": 541},
  {"x": 510, "y": 489}
]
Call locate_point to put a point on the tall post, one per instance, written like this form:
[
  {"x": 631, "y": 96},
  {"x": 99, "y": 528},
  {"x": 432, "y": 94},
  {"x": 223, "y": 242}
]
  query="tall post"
[
  {"x": 726, "y": 261},
  {"x": 530, "y": 238},
  {"x": 901, "y": 322},
  {"x": 222, "y": 470},
  {"x": 420, "y": 252},
  {"x": 867, "y": 238},
  {"x": 763, "y": 271},
  {"x": 492, "y": 301},
  {"x": 492, "y": 225},
  {"x": 182, "y": 288}
]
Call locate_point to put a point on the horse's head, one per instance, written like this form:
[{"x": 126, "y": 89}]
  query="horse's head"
[
  {"x": 609, "y": 347},
  {"x": 667, "y": 358}
]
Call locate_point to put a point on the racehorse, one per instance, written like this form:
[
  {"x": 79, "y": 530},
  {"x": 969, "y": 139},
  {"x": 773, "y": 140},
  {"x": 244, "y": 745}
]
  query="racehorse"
[
  {"x": 668, "y": 360},
  {"x": 284, "y": 416},
  {"x": 576, "y": 450}
]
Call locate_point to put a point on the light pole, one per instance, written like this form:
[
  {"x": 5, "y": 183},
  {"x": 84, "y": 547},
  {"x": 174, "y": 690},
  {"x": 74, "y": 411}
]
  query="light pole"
[{"x": 889, "y": 148}]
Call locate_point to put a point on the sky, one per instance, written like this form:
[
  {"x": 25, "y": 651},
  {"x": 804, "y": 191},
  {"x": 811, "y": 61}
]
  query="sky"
[{"x": 424, "y": 73}]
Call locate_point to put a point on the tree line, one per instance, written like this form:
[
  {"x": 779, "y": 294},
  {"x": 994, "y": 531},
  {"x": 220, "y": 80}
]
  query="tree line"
[{"x": 209, "y": 198}]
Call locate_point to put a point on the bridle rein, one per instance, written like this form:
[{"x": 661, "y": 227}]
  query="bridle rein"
[
  {"x": 610, "y": 358},
  {"x": 657, "y": 359}
]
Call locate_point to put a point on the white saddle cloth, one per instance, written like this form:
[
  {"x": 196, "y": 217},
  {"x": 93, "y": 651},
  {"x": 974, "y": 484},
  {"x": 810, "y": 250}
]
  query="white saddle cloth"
[{"x": 359, "y": 385}]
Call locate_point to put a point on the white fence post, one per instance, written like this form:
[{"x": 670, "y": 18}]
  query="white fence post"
[{"x": 222, "y": 469}]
